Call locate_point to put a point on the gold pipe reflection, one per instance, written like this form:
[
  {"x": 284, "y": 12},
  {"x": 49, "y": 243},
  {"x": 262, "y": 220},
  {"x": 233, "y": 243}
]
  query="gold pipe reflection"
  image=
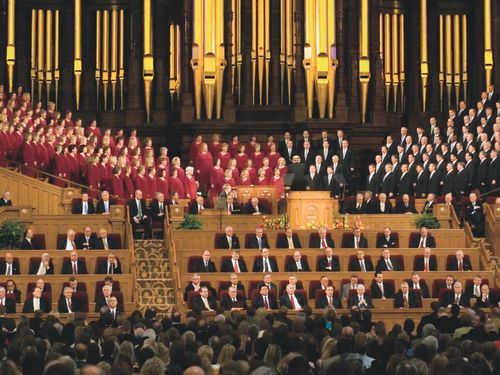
[
  {"x": 441, "y": 61},
  {"x": 254, "y": 47},
  {"x": 40, "y": 55},
  {"x": 57, "y": 74},
  {"x": 114, "y": 55},
  {"x": 97, "y": 53},
  {"x": 121, "y": 68},
  {"x": 364, "y": 60},
  {"x": 456, "y": 56},
  {"x": 332, "y": 53},
  {"x": 267, "y": 40},
  {"x": 424, "y": 64},
  {"x": 283, "y": 40},
  {"x": 488, "y": 52},
  {"x": 464, "y": 55},
  {"x": 239, "y": 52},
  {"x": 148, "y": 60},
  {"x": 402, "y": 77},
  {"x": 448, "y": 61},
  {"x": 310, "y": 53},
  {"x": 387, "y": 59},
  {"x": 394, "y": 60},
  {"x": 11, "y": 43},
  {"x": 105, "y": 56},
  {"x": 197, "y": 54},
  {"x": 48, "y": 52},
  {"x": 175, "y": 74},
  {"x": 33, "y": 53},
  {"x": 260, "y": 46},
  {"x": 220, "y": 55},
  {"x": 77, "y": 64},
  {"x": 290, "y": 46}
]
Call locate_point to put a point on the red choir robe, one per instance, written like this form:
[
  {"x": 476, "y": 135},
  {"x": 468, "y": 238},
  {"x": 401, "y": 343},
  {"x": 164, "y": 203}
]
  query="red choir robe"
[
  {"x": 141, "y": 183},
  {"x": 190, "y": 187},
  {"x": 235, "y": 175},
  {"x": 279, "y": 183},
  {"x": 60, "y": 169},
  {"x": 163, "y": 186},
  {"x": 233, "y": 148},
  {"x": 263, "y": 181},
  {"x": 224, "y": 159},
  {"x": 250, "y": 148},
  {"x": 246, "y": 182},
  {"x": 152, "y": 186},
  {"x": 29, "y": 159},
  {"x": 283, "y": 171},
  {"x": 194, "y": 149},
  {"x": 103, "y": 176},
  {"x": 128, "y": 187},
  {"x": 204, "y": 163},
  {"x": 176, "y": 185},
  {"x": 273, "y": 159},
  {"x": 241, "y": 161},
  {"x": 181, "y": 174},
  {"x": 216, "y": 179},
  {"x": 93, "y": 179},
  {"x": 117, "y": 187},
  {"x": 214, "y": 149},
  {"x": 257, "y": 160}
]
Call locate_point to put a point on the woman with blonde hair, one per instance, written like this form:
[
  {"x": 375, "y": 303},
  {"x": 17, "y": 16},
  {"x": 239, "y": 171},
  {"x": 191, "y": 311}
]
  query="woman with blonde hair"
[
  {"x": 272, "y": 356},
  {"x": 226, "y": 354}
]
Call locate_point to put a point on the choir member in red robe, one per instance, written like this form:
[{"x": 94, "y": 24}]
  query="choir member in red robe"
[
  {"x": 190, "y": 184},
  {"x": 128, "y": 184},
  {"x": 282, "y": 167},
  {"x": 141, "y": 182},
  {"x": 103, "y": 172},
  {"x": 235, "y": 171},
  {"x": 273, "y": 156},
  {"x": 215, "y": 146},
  {"x": 267, "y": 169},
  {"x": 203, "y": 165},
  {"x": 194, "y": 148},
  {"x": 93, "y": 176},
  {"x": 245, "y": 179},
  {"x": 163, "y": 186},
  {"x": 163, "y": 160},
  {"x": 262, "y": 179},
  {"x": 117, "y": 184},
  {"x": 241, "y": 158},
  {"x": 28, "y": 156},
  {"x": 279, "y": 182},
  {"x": 224, "y": 156},
  {"x": 267, "y": 146},
  {"x": 228, "y": 178},
  {"x": 152, "y": 183},
  {"x": 250, "y": 146},
  {"x": 216, "y": 178},
  {"x": 176, "y": 164},
  {"x": 252, "y": 172},
  {"x": 234, "y": 145},
  {"x": 257, "y": 156},
  {"x": 60, "y": 167},
  {"x": 175, "y": 183}
]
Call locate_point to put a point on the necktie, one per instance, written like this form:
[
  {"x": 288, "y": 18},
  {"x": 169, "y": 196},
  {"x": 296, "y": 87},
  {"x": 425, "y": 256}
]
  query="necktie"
[
  {"x": 161, "y": 208},
  {"x": 9, "y": 270},
  {"x": 230, "y": 242},
  {"x": 259, "y": 240},
  {"x": 323, "y": 243},
  {"x": 207, "y": 305},
  {"x": 236, "y": 267},
  {"x": 206, "y": 265},
  {"x": 460, "y": 267},
  {"x": 421, "y": 244},
  {"x": 106, "y": 207},
  {"x": 139, "y": 209},
  {"x": 75, "y": 270},
  {"x": 113, "y": 314},
  {"x": 405, "y": 301},
  {"x": 477, "y": 293},
  {"x": 389, "y": 265},
  {"x": 330, "y": 262},
  {"x": 299, "y": 266},
  {"x": 457, "y": 299},
  {"x": 1, "y": 302},
  {"x": 85, "y": 209},
  {"x": 110, "y": 269},
  {"x": 356, "y": 242},
  {"x": 426, "y": 265},
  {"x": 330, "y": 301},
  {"x": 363, "y": 268},
  {"x": 266, "y": 304},
  {"x": 234, "y": 299},
  {"x": 265, "y": 264},
  {"x": 199, "y": 208},
  {"x": 290, "y": 243},
  {"x": 69, "y": 305},
  {"x": 105, "y": 242},
  {"x": 381, "y": 286},
  {"x": 292, "y": 302}
]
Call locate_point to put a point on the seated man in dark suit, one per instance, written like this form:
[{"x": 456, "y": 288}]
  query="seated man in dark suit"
[
  {"x": 196, "y": 207},
  {"x": 487, "y": 298},
  {"x": 110, "y": 317},
  {"x": 388, "y": 240},
  {"x": 103, "y": 298},
  {"x": 407, "y": 298},
  {"x": 44, "y": 267},
  {"x": 104, "y": 242},
  {"x": 158, "y": 207},
  {"x": 474, "y": 215},
  {"x": 9, "y": 266},
  {"x": 27, "y": 242},
  {"x": 229, "y": 240},
  {"x": 474, "y": 290},
  {"x": 232, "y": 301},
  {"x": 328, "y": 262},
  {"x": 268, "y": 281},
  {"x": 417, "y": 283},
  {"x": 424, "y": 240},
  {"x": 385, "y": 263},
  {"x": 297, "y": 264},
  {"x": 358, "y": 206},
  {"x": 110, "y": 267},
  {"x": 329, "y": 299},
  {"x": 289, "y": 241},
  {"x": 360, "y": 300},
  {"x": 291, "y": 300},
  {"x": 259, "y": 241},
  {"x": 5, "y": 200},
  {"x": 380, "y": 288},
  {"x": 232, "y": 207},
  {"x": 360, "y": 264},
  {"x": 455, "y": 297},
  {"x": 322, "y": 241},
  {"x": 405, "y": 206},
  {"x": 139, "y": 215},
  {"x": 12, "y": 291},
  {"x": 235, "y": 264},
  {"x": 8, "y": 303},
  {"x": 84, "y": 206},
  {"x": 264, "y": 263},
  {"x": 429, "y": 204},
  {"x": 204, "y": 264},
  {"x": 36, "y": 303},
  {"x": 204, "y": 301},
  {"x": 73, "y": 265},
  {"x": 459, "y": 263},
  {"x": 67, "y": 303},
  {"x": 68, "y": 243},
  {"x": 357, "y": 241},
  {"x": 104, "y": 204},
  {"x": 87, "y": 241},
  {"x": 234, "y": 281},
  {"x": 265, "y": 299},
  {"x": 427, "y": 262},
  {"x": 254, "y": 208},
  {"x": 383, "y": 206}
]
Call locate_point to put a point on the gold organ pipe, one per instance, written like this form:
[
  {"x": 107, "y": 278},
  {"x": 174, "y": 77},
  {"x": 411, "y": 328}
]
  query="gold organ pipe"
[
  {"x": 464, "y": 55},
  {"x": 234, "y": 37},
  {"x": 387, "y": 59},
  {"x": 488, "y": 52},
  {"x": 260, "y": 46},
  {"x": 11, "y": 43},
  {"x": 310, "y": 53},
  {"x": 210, "y": 71},
  {"x": 77, "y": 64},
  {"x": 121, "y": 68},
  {"x": 283, "y": 41},
  {"x": 254, "y": 47},
  {"x": 198, "y": 53},
  {"x": 456, "y": 56},
  {"x": 148, "y": 60},
  {"x": 402, "y": 77},
  {"x": 395, "y": 61},
  {"x": 97, "y": 53},
  {"x": 114, "y": 55},
  {"x": 332, "y": 52},
  {"x": 220, "y": 54},
  {"x": 173, "y": 52},
  {"x": 178, "y": 62},
  {"x": 290, "y": 46},
  {"x": 364, "y": 60},
  {"x": 40, "y": 55},
  {"x": 424, "y": 63},
  {"x": 239, "y": 52},
  {"x": 441, "y": 60},
  {"x": 57, "y": 74},
  {"x": 267, "y": 48},
  {"x": 33, "y": 53},
  {"x": 381, "y": 35},
  {"x": 322, "y": 65},
  {"x": 448, "y": 61},
  {"x": 105, "y": 56}
]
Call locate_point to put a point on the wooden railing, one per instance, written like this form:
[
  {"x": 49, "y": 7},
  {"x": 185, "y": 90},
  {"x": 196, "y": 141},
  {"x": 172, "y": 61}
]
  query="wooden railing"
[
  {"x": 129, "y": 239},
  {"x": 168, "y": 240}
]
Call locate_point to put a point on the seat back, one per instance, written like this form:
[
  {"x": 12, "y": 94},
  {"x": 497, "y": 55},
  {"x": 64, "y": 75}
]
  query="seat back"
[
  {"x": 81, "y": 287},
  {"x": 38, "y": 241},
  {"x": 46, "y": 288},
  {"x": 320, "y": 293},
  {"x": 248, "y": 236},
  {"x": 470, "y": 282},
  {"x": 450, "y": 258},
  {"x": 83, "y": 297},
  {"x": 192, "y": 260},
  {"x": 346, "y": 239},
  {"x": 59, "y": 238},
  {"x": 116, "y": 238},
  {"x": 401, "y": 261},
  {"x": 217, "y": 238},
  {"x": 315, "y": 285},
  {"x": 437, "y": 285},
  {"x": 47, "y": 296},
  {"x": 420, "y": 256},
  {"x": 100, "y": 284}
]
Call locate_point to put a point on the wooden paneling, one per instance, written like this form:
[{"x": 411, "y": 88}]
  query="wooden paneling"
[
  {"x": 202, "y": 239},
  {"x": 492, "y": 226}
]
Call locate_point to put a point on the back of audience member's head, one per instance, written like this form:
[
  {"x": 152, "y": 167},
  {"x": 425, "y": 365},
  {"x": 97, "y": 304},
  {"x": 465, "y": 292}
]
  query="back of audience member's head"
[
  {"x": 153, "y": 366},
  {"x": 61, "y": 366},
  {"x": 349, "y": 367},
  {"x": 406, "y": 368}
]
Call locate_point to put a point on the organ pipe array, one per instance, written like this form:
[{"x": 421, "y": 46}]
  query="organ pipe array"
[
  {"x": 208, "y": 61},
  {"x": 320, "y": 55},
  {"x": 488, "y": 51},
  {"x": 287, "y": 48},
  {"x": 11, "y": 40},
  {"x": 147, "y": 59},
  {"x": 261, "y": 50},
  {"x": 236, "y": 51},
  {"x": 364, "y": 59},
  {"x": 175, "y": 62}
]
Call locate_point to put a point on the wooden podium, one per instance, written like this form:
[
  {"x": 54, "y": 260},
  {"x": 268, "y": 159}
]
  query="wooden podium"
[{"x": 310, "y": 207}]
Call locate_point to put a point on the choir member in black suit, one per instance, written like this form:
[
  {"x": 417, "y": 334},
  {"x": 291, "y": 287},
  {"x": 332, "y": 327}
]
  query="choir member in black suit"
[
  {"x": 265, "y": 299},
  {"x": 433, "y": 180},
  {"x": 460, "y": 186},
  {"x": 387, "y": 182},
  {"x": 204, "y": 264},
  {"x": 459, "y": 263},
  {"x": 406, "y": 298},
  {"x": 229, "y": 240},
  {"x": 482, "y": 169},
  {"x": 372, "y": 182},
  {"x": 329, "y": 299},
  {"x": 420, "y": 183},
  {"x": 404, "y": 181},
  {"x": 387, "y": 240},
  {"x": 297, "y": 264},
  {"x": 313, "y": 179},
  {"x": 235, "y": 264}
]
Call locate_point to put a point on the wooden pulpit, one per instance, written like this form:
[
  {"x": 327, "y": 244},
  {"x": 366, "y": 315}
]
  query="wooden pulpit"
[{"x": 310, "y": 207}]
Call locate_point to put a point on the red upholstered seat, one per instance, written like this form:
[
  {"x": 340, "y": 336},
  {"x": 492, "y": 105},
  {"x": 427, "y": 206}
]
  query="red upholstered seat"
[
  {"x": 192, "y": 260},
  {"x": 314, "y": 285},
  {"x": 413, "y": 238},
  {"x": 346, "y": 237},
  {"x": 60, "y": 238},
  {"x": 217, "y": 238},
  {"x": 400, "y": 259},
  {"x": 284, "y": 283},
  {"x": 81, "y": 287},
  {"x": 38, "y": 241},
  {"x": 320, "y": 293},
  {"x": 117, "y": 239},
  {"x": 83, "y": 297},
  {"x": 437, "y": 285}
]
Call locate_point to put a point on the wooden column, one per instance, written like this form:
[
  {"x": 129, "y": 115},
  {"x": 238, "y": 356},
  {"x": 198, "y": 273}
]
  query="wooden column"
[
  {"x": 376, "y": 90},
  {"x": 300, "y": 112},
  {"x": 351, "y": 58},
  {"x": 187, "y": 106},
  {"x": 135, "y": 99},
  {"x": 341, "y": 109},
  {"x": 228, "y": 110},
  {"x": 275, "y": 81}
]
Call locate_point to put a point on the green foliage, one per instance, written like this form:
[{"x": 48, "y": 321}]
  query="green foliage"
[
  {"x": 11, "y": 232},
  {"x": 427, "y": 220},
  {"x": 191, "y": 222}
]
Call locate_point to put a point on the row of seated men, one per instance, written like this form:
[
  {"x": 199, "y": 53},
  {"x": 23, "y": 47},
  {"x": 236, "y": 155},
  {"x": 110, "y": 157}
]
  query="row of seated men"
[
  {"x": 328, "y": 262},
  {"x": 71, "y": 265},
  {"x": 86, "y": 240},
  {"x": 73, "y": 296},
  {"x": 231, "y": 295},
  {"x": 321, "y": 240}
]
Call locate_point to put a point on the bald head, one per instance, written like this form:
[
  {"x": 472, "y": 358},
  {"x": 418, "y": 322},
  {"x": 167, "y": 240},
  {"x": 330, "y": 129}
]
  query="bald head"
[
  {"x": 193, "y": 370},
  {"x": 91, "y": 370}
]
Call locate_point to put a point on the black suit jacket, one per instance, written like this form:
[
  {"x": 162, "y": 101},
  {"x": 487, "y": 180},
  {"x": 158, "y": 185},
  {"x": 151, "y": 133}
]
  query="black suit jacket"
[
  {"x": 17, "y": 295},
  {"x": 154, "y": 207},
  {"x": 15, "y": 268},
  {"x": 82, "y": 243},
  {"x": 353, "y": 209},
  {"x": 199, "y": 266},
  {"x": 383, "y": 242},
  {"x": 316, "y": 242},
  {"x": 285, "y": 300},
  {"x": 78, "y": 207},
  {"x": 67, "y": 267},
  {"x": 382, "y": 265},
  {"x": 34, "y": 268},
  {"x": 134, "y": 211},
  {"x": 355, "y": 266},
  {"x": 291, "y": 266},
  {"x": 259, "y": 302},
  {"x": 227, "y": 304},
  {"x": 26, "y": 245},
  {"x": 378, "y": 210},
  {"x": 10, "y": 305},
  {"x": 76, "y": 305},
  {"x": 354, "y": 300},
  {"x": 453, "y": 265},
  {"x": 44, "y": 306},
  {"x": 198, "y": 304},
  {"x": 405, "y": 185},
  {"x": 431, "y": 242},
  {"x": 402, "y": 209},
  {"x": 491, "y": 301},
  {"x": 377, "y": 293},
  {"x": 313, "y": 183},
  {"x": 227, "y": 265},
  {"x": 258, "y": 265},
  {"x": 111, "y": 243},
  {"x": 373, "y": 184},
  {"x": 419, "y": 264},
  {"x": 99, "y": 208},
  {"x": 322, "y": 302},
  {"x": 282, "y": 242},
  {"x": 424, "y": 288},
  {"x": 4, "y": 203},
  {"x": 102, "y": 268},
  {"x": 387, "y": 184},
  {"x": 323, "y": 264},
  {"x": 250, "y": 209},
  {"x": 223, "y": 244},
  {"x": 433, "y": 184},
  {"x": 449, "y": 299},
  {"x": 252, "y": 242},
  {"x": 363, "y": 243},
  {"x": 413, "y": 300}
]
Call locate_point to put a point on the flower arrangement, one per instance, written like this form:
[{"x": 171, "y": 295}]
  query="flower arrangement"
[
  {"x": 344, "y": 223},
  {"x": 277, "y": 222},
  {"x": 314, "y": 226}
]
